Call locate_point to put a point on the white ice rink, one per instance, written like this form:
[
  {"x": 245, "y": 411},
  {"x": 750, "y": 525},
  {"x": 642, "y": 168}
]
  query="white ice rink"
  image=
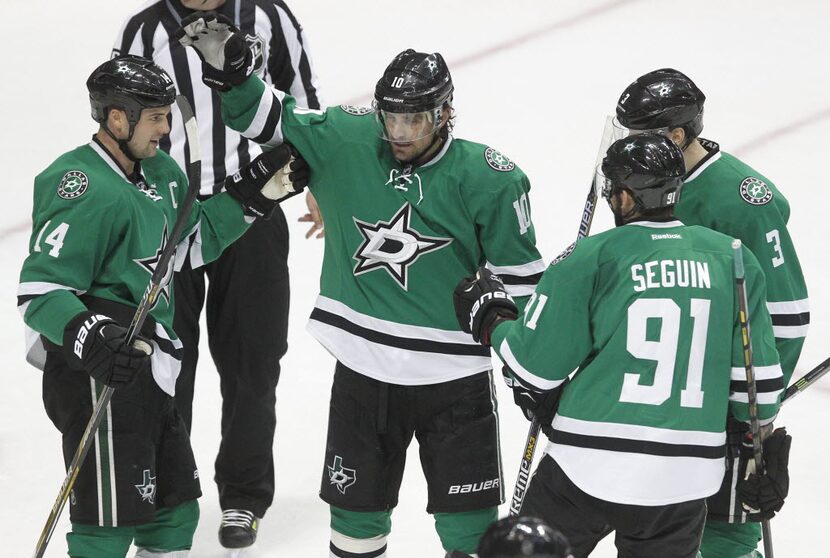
[{"x": 533, "y": 78}]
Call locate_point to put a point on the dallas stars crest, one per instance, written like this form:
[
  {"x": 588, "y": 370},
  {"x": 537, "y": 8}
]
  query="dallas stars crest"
[
  {"x": 151, "y": 263},
  {"x": 393, "y": 245},
  {"x": 147, "y": 488}
]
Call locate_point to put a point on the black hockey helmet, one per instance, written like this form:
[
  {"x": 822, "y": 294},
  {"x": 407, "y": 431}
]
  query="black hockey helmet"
[
  {"x": 130, "y": 83},
  {"x": 662, "y": 99},
  {"x": 523, "y": 537},
  {"x": 650, "y": 166},
  {"x": 414, "y": 82}
]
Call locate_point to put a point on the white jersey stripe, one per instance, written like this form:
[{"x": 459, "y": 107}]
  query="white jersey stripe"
[
  {"x": 527, "y": 376},
  {"x": 789, "y": 306},
  {"x": 761, "y": 372},
  {"x": 638, "y": 432},
  {"x": 531, "y": 268},
  {"x": 790, "y": 332}
]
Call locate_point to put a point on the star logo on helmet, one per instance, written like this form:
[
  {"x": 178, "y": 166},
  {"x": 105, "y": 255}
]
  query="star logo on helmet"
[{"x": 393, "y": 246}]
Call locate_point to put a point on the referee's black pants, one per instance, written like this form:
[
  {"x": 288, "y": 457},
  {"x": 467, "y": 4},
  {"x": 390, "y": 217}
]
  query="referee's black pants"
[{"x": 247, "y": 323}]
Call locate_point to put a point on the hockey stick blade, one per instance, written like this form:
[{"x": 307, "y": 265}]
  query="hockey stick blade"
[{"x": 161, "y": 275}]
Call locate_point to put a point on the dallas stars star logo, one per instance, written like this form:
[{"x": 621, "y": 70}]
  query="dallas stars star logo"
[
  {"x": 147, "y": 489},
  {"x": 150, "y": 264},
  {"x": 393, "y": 245},
  {"x": 341, "y": 477}
]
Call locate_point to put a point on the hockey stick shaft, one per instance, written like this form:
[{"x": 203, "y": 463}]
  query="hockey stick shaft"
[
  {"x": 161, "y": 275},
  {"x": 585, "y": 222},
  {"x": 751, "y": 387},
  {"x": 806, "y": 381}
]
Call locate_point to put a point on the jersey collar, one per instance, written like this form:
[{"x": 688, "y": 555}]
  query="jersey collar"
[
  {"x": 712, "y": 155},
  {"x": 104, "y": 153},
  {"x": 652, "y": 224},
  {"x": 441, "y": 152}
]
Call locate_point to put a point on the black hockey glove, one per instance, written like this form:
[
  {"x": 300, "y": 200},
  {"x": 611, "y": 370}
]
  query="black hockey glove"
[
  {"x": 226, "y": 59},
  {"x": 97, "y": 345},
  {"x": 540, "y": 405},
  {"x": 763, "y": 495},
  {"x": 274, "y": 176},
  {"x": 481, "y": 303}
]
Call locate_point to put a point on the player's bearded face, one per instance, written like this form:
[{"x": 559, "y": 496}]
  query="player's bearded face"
[
  {"x": 409, "y": 134},
  {"x": 151, "y": 127}
]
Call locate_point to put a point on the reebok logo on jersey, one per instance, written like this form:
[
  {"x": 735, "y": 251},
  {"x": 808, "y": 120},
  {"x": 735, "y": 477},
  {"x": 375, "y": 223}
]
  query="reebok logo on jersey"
[
  {"x": 83, "y": 333},
  {"x": 473, "y": 487},
  {"x": 755, "y": 191},
  {"x": 73, "y": 185},
  {"x": 665, "y": 236}
]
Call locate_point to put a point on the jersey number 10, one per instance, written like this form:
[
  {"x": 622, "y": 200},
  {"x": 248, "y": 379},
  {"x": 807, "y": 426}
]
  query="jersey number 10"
[{"x": 664, "y": 351}]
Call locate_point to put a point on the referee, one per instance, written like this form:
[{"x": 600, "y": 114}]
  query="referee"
[{"x": 247, "y": 287}]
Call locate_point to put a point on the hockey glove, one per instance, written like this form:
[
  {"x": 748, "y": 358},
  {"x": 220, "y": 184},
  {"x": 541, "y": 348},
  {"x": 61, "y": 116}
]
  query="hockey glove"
[
  {"x": 540, "y": 405},
  {"x": 272, "y": 177},
  {"x": 481, "y": 303},
  {"x": 97, "y": 345},
  {"x": 226, "y": 59},
  {"x": 763, "y": 495}
]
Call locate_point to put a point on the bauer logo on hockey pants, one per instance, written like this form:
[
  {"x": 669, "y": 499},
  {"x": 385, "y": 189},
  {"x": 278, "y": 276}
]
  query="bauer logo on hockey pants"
[
  {"x": 473, "y": 487},
  {"x": 340, "y": 476}
]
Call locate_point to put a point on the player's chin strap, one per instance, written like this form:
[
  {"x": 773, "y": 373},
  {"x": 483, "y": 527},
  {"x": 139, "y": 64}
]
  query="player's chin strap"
[{"x": 123, "y": 144}]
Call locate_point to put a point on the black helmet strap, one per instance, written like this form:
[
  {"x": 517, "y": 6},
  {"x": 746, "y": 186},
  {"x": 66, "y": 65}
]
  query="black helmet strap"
[{"x": 123, "y": 144}]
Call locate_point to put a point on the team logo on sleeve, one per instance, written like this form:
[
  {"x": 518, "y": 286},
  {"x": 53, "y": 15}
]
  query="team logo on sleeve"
[
  {"x": 340, "y": 476},
  {"x": 73, "y": 185},
  {"x": 498, "y": 161},
  {"x": 393, "y": 245},
  {"x": 755, "y": 191},
  {"x": 565, "y": 253},
  {"x": 355, "y": 110}
]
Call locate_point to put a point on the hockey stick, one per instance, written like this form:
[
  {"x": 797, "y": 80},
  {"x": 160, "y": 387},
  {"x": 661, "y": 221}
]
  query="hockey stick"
[
  {"x": 751, "y": 388},
  {"x": 157, "y": 282},
  {"x": 806, "y": 381},
  {"x": 588, "y": 210}
]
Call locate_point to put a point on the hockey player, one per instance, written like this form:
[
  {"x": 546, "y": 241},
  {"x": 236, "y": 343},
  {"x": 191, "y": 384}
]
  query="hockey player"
[
  {"x": 641, "y": 312},
  {"x": 249, "y": 368},
  {"x": 726, "y": 195},
  {"x": 520, "y": 537},
  {"x": 407, "y": 208},
  {"x": 102, "y": 215}
]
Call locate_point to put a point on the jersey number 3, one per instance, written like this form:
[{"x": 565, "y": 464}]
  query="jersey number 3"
[{"x": 664, "y": 351}]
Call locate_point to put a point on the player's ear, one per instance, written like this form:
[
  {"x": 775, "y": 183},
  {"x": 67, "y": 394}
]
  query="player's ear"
[{"x": 678, "y": 136}]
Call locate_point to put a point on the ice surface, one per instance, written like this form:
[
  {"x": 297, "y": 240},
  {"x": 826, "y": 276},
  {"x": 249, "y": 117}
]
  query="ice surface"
[{"x": 533, "y": 78}]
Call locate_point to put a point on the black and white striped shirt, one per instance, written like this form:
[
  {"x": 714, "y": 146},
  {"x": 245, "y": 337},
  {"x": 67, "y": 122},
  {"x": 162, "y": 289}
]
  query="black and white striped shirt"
[{"x": 281, "y": 58}]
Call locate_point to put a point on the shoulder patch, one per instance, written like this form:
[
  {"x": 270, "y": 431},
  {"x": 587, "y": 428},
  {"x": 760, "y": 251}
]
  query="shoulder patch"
[
  {"x": 565, "y": 253},
  {"x": 754, "y": 191},
  {"x": 73, "y": 185},
  {"x": 355, "y": 110},
  {"x": 497, "y": 161}
]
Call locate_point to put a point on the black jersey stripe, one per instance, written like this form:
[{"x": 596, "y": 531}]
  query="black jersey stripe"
[
  {"x": 422, "y": 345},
  {"x": 273, "y": 120},
  {"x": 23, "y": 299},
  {"x": 168, "y": 347},
  {"x": 762, "y": 386},
  {"x": 791, "y": 319},
  {"x": 521, "y": 279},
  {"x": 305, "y": 66},
  {"x": 647, "y": 447}
]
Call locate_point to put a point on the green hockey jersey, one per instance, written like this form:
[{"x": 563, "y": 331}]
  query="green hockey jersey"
[
  {"x": 397, "y": 237},
  {"x": 728, "y": 196},
  {"x": 647, "y": 314},
  {"x": 97, "y": 233}
]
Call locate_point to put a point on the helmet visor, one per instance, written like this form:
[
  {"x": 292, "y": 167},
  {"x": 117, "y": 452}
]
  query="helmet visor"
[
  {"x": 620, "y": 131},
  {"x": 407, "y": 127}
]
